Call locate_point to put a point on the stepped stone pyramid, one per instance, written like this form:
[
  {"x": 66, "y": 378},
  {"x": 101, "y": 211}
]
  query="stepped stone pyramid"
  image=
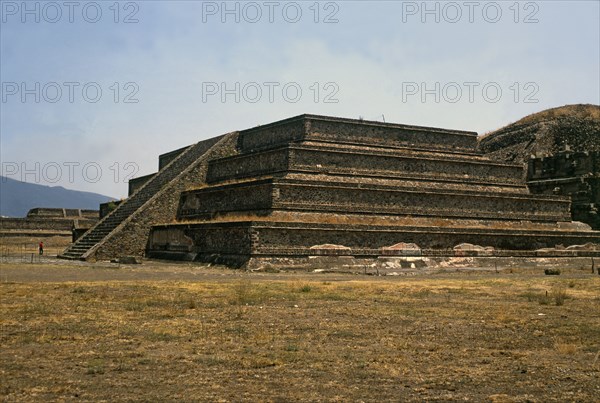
[{"x": 294, "y": 188}]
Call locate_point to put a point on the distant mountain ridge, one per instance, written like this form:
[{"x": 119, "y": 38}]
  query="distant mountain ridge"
[{"x": 17, "y": 198}]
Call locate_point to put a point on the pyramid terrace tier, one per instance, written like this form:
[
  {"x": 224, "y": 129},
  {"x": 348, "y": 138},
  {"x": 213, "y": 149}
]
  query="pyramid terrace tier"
[
  {"x": 420, "y": 182},
  {"x": 267, "y": 195},
  {"x": 350, "y": 161},
  {"x": 338, "y": 130},
  {"x": 243, "y": 240}
]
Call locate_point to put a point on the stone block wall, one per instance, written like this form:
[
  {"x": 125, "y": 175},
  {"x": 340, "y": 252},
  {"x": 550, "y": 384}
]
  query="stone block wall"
[
  {"x": 227, "y": 238},
  {"x": 573, "y": 174},
  {"x": 240, "y": 197},
  {"x": 346, "y": 130},
  {"x": 272, "y": 135},
  {"x": 564, "y": 164},
  {"x": 45, "y": 212},
  {"x": 137, "y": 183},
  {"x": 306, "y": 127},
  {"x": 106, "y": 208},
  {"x": 317, "y": 196},
  {"x": 249, "y": 165},
  {"x": 324, "y": 160},
  {"x": 407, "y": 201},
  {"x": 35, "y": 224},
  {"x": 239, "y": 241},
  {"x": 57, "y": 220},
  {"x": 225, "y": 244},
  {"x": 368, "y": 240},
  {"x": 166, "y": 158},
  {"x": 49, "y": 226}
]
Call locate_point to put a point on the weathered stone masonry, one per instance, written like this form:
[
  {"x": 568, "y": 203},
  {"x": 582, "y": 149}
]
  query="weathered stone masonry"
[
  {"x": 281, "y": 189},
  {"x": 574, "y": 174},
  {"x": 313, "y": 180},
  {"x": 48, "y": 221}
]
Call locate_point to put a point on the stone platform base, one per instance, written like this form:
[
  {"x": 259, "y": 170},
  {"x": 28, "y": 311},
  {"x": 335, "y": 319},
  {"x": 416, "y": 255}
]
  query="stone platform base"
[{"x": 238, "y": 244}]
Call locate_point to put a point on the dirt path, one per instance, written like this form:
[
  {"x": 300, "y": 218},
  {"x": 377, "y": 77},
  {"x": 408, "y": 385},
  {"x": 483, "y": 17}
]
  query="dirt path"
[{"x": 51, "y": 269}]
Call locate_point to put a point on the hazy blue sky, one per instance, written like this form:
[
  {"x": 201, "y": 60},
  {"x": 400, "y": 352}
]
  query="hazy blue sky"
[{"x": 169, "y": 73}]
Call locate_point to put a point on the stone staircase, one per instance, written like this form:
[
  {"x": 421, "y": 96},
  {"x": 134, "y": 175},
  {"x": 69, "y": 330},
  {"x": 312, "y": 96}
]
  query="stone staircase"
[{"x": 84, "y": 245}]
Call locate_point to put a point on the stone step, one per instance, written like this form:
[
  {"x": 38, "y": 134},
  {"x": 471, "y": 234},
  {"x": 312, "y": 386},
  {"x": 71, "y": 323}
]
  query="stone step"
[
  {"x": 78, "y": 251},
  {"x": 84, "y": 244},
  {"x": 87, "y": 244},
  {"x": 71, "y": 254},
  {"x": 98, "y": 234}
]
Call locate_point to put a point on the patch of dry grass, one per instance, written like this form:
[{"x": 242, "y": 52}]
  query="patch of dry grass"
[{"x": 252, "y": 339}]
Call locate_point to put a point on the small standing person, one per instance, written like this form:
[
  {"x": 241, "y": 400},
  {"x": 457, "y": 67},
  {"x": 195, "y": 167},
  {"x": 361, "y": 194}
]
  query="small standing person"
[{"x": 41, "y": 248}]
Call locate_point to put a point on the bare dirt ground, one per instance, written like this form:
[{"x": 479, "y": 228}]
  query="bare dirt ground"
[
  {"x": 182, "y": 332},
  {"x": 25, "y": 246}
]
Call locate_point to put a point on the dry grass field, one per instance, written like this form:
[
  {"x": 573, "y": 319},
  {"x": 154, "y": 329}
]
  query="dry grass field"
[{"x": 222, "y": 335}]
